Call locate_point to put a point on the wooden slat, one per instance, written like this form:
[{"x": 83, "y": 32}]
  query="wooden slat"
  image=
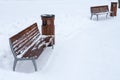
[
  {"x": 27, "y": 42},
  {"x": 34, "y": 52},
  {"x": 98, "y": 9},
  {"x": 20, "y": 34},
  {"x": 24, "y": 38}
]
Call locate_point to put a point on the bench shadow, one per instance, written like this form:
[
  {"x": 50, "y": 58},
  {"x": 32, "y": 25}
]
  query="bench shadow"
[{"x": 26, "y": 66}]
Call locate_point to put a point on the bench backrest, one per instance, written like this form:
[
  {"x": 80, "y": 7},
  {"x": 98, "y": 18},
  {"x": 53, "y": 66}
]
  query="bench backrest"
[
  {"x": 24, "y": 39},
  {"x": 98, "y": 9}
]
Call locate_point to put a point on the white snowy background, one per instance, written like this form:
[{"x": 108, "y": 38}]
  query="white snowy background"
[{"x": 85, "y": 49}]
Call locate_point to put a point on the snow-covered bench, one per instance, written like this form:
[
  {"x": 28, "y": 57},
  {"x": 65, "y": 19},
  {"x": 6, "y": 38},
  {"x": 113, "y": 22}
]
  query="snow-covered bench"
[
  {"x": 29, "y": 44},
  {"x": 99, "y": 10}
]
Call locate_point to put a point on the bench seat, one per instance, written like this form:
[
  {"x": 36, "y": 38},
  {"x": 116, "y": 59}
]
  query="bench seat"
[{"x": 101, "y": 13}]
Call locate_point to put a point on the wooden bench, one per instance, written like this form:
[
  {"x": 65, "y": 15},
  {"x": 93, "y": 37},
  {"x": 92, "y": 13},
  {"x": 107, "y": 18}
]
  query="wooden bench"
[
  {"x": 29, "y": 44},
  {"x": 99, "y": 10}
]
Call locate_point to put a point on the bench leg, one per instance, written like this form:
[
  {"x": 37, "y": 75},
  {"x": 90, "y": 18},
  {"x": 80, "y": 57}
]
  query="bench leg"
[
  {"x": 14, "y": 65},
  {"x": 97, "y": 17},
  {"x": 91, "y": 16},
  {"x": 52, "y": 44},
  {"x": 112, "y": 14},
  {"x": 35, "y": 65},
  {"x": 106, "y": 15}
]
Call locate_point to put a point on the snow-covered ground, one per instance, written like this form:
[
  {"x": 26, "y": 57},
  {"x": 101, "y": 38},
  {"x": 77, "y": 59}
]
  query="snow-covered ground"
[{"x": 85, "y": 49}]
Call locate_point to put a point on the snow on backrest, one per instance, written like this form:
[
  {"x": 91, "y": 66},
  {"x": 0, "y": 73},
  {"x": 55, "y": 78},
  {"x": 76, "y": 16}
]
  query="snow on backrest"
[{"x": 21, "y": 41}]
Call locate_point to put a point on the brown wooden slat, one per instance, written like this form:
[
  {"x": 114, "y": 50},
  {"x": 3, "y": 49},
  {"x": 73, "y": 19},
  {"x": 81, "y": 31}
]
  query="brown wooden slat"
[
  {"x": 25, "y": 43},
  {"x": 33, "y": 53},
  {"x": 20, "y": 34},
  {"x": 24, "y": 38},
  {"x": 97, "y": 9}
]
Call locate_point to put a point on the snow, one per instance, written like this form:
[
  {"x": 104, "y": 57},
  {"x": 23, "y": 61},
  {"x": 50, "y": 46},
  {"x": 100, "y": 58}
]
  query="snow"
[{"x": 84, "y": 49}]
